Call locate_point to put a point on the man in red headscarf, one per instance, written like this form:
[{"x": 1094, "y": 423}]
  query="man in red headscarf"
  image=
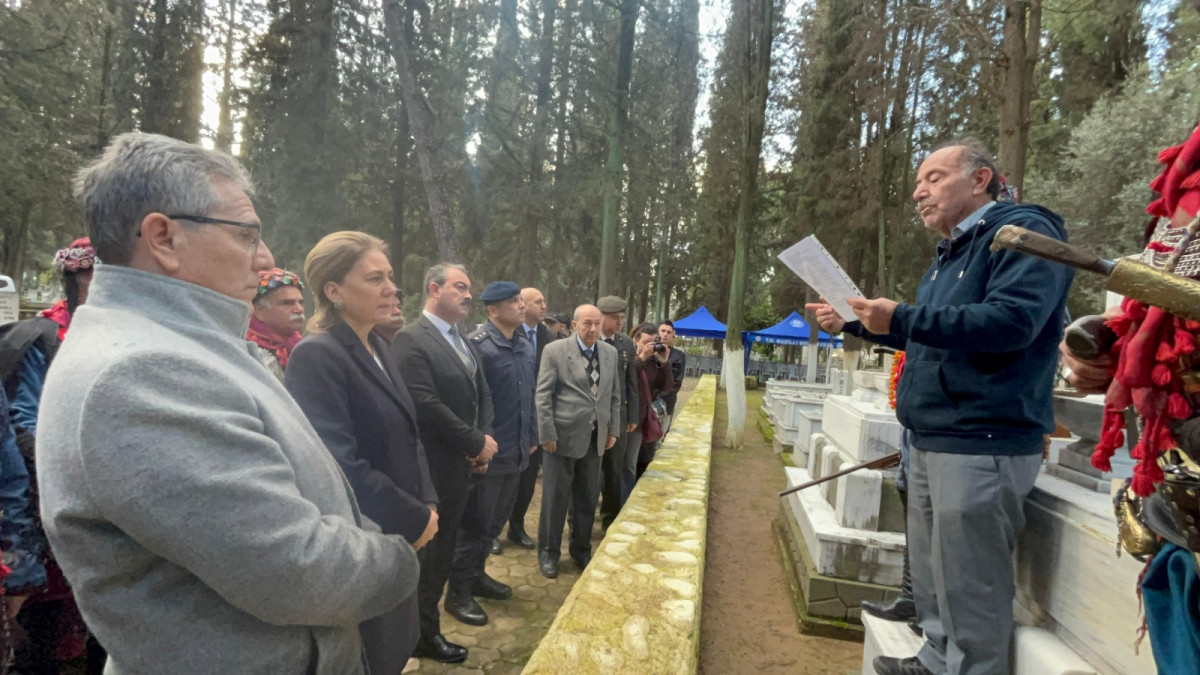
[
  {"x": 1154, "y": 366},
  {"x": 278, "y": 317}
]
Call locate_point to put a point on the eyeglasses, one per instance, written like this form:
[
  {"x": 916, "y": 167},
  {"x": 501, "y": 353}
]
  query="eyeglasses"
[{"x": 214, "y": 221}]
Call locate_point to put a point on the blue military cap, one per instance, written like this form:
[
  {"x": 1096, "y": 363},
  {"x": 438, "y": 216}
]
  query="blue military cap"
[{"x": 498, "y": 291}]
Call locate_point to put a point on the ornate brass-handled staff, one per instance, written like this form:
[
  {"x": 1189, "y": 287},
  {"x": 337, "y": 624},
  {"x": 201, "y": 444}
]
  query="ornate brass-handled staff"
[{"x": 1178, "y": 295}]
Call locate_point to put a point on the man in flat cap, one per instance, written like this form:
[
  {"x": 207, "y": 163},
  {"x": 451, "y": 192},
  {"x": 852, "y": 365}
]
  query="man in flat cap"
[
  {"x": 616, "y": 483},
  {"x": 506, "y": 358}
]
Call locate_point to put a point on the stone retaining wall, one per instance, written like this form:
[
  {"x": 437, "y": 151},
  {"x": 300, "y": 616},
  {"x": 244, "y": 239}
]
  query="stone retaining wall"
[{"x": 636, "y": 609}]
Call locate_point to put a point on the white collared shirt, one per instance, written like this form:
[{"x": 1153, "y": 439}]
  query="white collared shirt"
[{"x": 443, "y": 327}]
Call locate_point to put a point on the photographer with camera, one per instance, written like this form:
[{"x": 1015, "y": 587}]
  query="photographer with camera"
[
  {"x": 654, "y": 379},
  {"x": 678, "y": 362}
]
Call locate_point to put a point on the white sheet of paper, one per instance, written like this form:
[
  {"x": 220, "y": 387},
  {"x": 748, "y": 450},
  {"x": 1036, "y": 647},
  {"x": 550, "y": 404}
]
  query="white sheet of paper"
[{"x": 813, "y": 264}]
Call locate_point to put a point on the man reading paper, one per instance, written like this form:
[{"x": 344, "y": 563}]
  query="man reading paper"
[{"x": 981, "y": 343}]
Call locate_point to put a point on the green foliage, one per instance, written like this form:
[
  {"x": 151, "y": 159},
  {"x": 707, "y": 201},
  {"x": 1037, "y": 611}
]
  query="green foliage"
[{"x": 1101, "y": 186}]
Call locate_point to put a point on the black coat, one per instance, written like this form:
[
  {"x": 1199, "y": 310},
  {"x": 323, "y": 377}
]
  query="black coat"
[
  {"x": 454, "y": 407},
  {"x": 544, "y": 337},
  {"x": 369, "y": 424}
]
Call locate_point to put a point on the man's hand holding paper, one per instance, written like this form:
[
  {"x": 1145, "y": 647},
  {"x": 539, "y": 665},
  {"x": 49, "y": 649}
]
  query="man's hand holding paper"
[
  {"x": 826, "y": 316},
  {"x": 875, "y": 315}
]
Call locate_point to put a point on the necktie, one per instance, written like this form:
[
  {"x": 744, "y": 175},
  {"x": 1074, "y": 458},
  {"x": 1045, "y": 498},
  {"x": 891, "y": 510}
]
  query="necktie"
[
  {"x": 533, "y": 337},
  {"x": 463, "y": 354},
  {"x": 593, "y": 372}
]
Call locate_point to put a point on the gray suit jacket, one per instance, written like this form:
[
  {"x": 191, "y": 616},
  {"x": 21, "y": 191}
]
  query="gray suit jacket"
[
  {"x": 566, "y": 408},
  {"x": 201, "y": 522}
]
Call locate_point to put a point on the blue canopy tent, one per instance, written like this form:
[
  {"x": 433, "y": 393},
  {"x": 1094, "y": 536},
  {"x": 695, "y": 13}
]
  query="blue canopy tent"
[
  {"x": 793, "y": 330},
  {"x": 700, "y": 324}
]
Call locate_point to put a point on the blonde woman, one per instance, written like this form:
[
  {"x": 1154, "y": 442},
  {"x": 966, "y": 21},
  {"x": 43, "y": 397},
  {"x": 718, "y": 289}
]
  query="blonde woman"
[{"x": 356, "y": 399}]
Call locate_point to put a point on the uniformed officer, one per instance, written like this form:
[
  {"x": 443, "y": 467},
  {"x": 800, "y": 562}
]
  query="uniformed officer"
[
  {"x": 619, "y": 473},
  {"x": 506, "y": 356}
]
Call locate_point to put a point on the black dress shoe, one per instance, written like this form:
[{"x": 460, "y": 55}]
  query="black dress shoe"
[
  {"x": 440, "y": 650},
  {"x": 582, "y": 563},
  {"x": 487, "y": 587},
  {"x": 520, "y": 539},
  {"x": 890, "y": 665},
  {"x": 463, "y": 607},
  {"x": 549, "y": 568},
  {"x": 495, "y": 547},
  {"x": 900, "y": 608}
]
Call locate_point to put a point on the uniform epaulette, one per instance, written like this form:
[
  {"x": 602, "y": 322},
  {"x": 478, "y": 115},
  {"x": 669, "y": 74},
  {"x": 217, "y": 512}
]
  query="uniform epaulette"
[{"x": 478, "y": 337}]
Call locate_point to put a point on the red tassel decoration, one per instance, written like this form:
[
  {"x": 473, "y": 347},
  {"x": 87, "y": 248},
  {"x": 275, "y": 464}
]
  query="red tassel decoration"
[
  {"x": 1159, "y": 247},
  {"x": 1164, "y": 353},
  {"x": 1145, "y": 476},
  {"x": 1160, "y": 375},
  {"x": 1185, "y": 342},
  {"x": 1168, "y": 155},
  {"x": 1178, "y": 407}
]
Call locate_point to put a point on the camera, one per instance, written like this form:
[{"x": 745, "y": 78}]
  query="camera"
[{"x": 659, "y": 347}]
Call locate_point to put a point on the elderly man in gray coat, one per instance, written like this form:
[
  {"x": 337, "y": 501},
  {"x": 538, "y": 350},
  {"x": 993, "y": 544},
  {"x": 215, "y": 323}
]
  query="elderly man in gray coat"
[
  {"x": 578, "y": 404},
  {"x": 200, "y": 520}
]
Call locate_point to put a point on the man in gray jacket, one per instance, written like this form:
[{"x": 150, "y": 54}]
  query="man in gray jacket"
[
  {"x": 200, "y": 520},
  {"x": 578, "y": 416}
]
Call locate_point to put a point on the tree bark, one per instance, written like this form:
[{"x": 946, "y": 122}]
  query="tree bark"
[
  {"x": 224, "y": 137},
  {"x": 535, "y": 190},
  {"x": 1020, "y": 50},
  {"x": 757, "y": 75},
  {"x": 614, "y": 167},
  {"x": 423, "y": 130}
]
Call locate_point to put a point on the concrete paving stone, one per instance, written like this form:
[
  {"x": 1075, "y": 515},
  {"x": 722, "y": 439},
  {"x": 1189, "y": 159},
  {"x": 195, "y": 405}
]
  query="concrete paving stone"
[
  {"x": 504, "y": 668},
  {"x": 483, "y": 655},
  {"x": 467, "y": 641}
]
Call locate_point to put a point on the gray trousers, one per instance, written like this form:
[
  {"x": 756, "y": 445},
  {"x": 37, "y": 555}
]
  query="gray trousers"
[
  {"x": 568, "y": 481},
  {"x": 964, "y": 514}
]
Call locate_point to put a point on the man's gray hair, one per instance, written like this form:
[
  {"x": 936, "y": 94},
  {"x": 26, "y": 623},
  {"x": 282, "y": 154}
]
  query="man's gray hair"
[
  {"x": 975, "y": 156},
  {"x": 437, "y": 274},
  {"x": 140, "y": 174}
]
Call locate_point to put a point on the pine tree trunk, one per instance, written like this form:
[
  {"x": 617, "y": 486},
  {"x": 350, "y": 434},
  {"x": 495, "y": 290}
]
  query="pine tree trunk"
[
  {"x": 757, "y": 71},
  {"x": 1020, "y": 47},
  {"x": 423, "y": 131},
  {"x": 224, "y": 138},
  {"x": 615, "y": 132},
  {"x": 535, "y": 190}
]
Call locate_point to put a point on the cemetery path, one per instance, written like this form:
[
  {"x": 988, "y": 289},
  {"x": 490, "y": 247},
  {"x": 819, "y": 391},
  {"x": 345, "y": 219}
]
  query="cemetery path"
[
  {"x": 748, "y": 623},
  {"x": 517, "y": 625}
]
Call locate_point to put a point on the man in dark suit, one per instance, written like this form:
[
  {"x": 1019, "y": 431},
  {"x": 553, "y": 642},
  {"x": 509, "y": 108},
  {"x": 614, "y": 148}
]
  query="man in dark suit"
[
  {"x": 578, "y": 409},
  {"x": 540, "y": 336},
  {"x": 611, "y": 325},
  {"x": 454, "y": 414}
]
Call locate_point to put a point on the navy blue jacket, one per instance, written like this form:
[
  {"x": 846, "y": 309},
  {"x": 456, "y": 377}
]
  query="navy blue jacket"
[
  {"x": 508, "y": 369},
  {"x": 981, "y": 341}
]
